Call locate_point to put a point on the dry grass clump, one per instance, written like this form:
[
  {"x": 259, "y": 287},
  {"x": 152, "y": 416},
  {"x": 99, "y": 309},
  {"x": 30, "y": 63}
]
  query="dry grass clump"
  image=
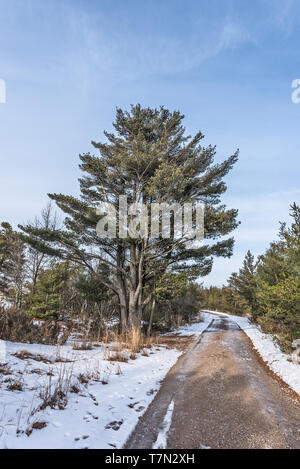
[
  {"x": 135, "y": 340},
  {"x": 55, "y": 394},
  {"x": 84, "y": 378},
  {"x": 82, "y": 346},
  {"x": 120, "y": 356},
  {"x": 126, "y": 346},
  {"x": 36, "y": 371},
  {"x": 26, "y": 355},
  {"x": 35, "y": 426},
  {"x": 39, "y": 425},
  {"x": 74, "y": 389},
  {"x": 16, "y": 384},
  {"x": 5, "y": 370},
  {"x": 92, "y": 374}
]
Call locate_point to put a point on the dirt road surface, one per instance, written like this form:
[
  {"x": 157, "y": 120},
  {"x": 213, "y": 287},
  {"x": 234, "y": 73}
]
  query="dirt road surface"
[{"x": 219, "y": 395}]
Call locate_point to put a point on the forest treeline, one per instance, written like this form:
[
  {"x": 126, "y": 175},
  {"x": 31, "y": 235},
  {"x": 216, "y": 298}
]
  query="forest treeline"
[{"x": 267, "y": 288}]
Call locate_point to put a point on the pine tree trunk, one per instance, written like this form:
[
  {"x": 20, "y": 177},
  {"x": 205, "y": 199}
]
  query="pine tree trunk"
[
  {"x": 123, "y": 311},
  {"x": 134, "y": 313},
  {"x": 121, "y": 288},
  {"x": 136, "y": 287}
]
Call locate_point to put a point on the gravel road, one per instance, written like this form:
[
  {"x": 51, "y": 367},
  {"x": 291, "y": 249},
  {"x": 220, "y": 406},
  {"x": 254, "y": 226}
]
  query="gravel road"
[{"x": 218, "y": 395}]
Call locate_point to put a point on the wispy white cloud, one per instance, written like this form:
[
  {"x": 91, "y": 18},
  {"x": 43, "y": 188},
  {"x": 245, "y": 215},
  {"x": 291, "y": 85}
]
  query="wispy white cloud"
[
  {"x": 113, "y": 50},
  {"x": 234, "y": 33},
  {"x": 282, "y": 14}
]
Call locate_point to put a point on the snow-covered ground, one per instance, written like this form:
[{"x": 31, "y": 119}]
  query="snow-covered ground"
[
  {"x": 97, "y": 415},
  {"x": 280, "y": 363}
]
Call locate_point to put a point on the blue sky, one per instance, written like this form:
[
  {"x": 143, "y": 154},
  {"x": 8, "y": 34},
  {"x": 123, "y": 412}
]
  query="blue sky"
[{"x": 227, "y": 65}]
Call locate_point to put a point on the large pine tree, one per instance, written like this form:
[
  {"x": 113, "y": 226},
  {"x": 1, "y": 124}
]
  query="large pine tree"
[{"x": 149, "y": 159}]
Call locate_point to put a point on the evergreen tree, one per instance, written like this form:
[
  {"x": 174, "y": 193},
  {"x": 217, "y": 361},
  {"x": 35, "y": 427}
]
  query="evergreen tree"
[
  {"x": 278, "y": 283},
  {"x": 149, "y": 159},
  {"x": 46, "y": 302},
  {"x": 244, "y": 282},
  {"x": 12, "y": 264}
]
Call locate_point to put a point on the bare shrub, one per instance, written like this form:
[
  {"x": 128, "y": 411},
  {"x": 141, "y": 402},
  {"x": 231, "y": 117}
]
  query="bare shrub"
[
  {"x": 83, "y": 378},
  {"x": 74, "y": 389},
  {"x": 91, "y": 374},
  {"x": 82, "y": 346},
  {"x": 121, "y": 347},
  {"x": 35, "y": 426},
  {"x": 120, "y": 356},
  {"x": 5, "y": 370},
  {"x": 39, "y": 425},
  {"x": 55, "y": 393},
  {"x": 17, "y": 326},
  {"x": 16, "y": 385},
  {"x": 26, "y": 355}
]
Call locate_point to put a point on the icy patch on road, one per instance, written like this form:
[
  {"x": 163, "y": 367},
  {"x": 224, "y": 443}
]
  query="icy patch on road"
[
  {"x": 161, "y": 441},
  {"x": 270, "y": 352}
]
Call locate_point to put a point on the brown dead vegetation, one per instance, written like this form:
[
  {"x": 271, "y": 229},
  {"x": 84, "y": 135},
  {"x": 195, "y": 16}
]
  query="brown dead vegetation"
[
  {"x": 25, "y": 355},
  {"x": 82, "y": 346},
  {"x": 38, "y": 425},
  {"x": 180, "y": 342}
]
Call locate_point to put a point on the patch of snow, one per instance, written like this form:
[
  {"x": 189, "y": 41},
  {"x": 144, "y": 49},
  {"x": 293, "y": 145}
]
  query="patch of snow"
[
  {"x": 279, "y": 362},
  {"x": 161, "y": 441},
  {"x": 4, "y": 303},
  {"x": 98, "y": 416},
  {"x": 216, "y": 313},
  {"x": 194, "y": 329},
  {"x": 2, "y": 351},
  {"x": 38, "y": 322}
]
